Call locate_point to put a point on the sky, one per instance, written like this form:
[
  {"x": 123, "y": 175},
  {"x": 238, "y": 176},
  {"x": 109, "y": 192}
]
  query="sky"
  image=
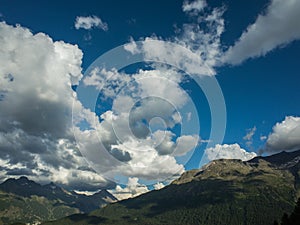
[{"x": 127, "y": 95}]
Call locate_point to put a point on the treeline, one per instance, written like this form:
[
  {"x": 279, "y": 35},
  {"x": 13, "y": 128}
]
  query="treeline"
[{"x": 293, "y": 219}]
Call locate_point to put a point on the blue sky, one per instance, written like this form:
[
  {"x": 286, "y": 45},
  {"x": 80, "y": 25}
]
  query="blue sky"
[{"x": 260, "y": 91}]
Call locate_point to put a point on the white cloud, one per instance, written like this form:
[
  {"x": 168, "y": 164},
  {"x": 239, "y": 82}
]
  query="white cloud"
[
  {"x": 126, "y": 130},
  {"x": 36, "y": 109},
  {"x": 185, "y": 143},
  {"x": 133, "y": 189},
  {"x": 249, "y": 136},
  {"x": 123, "y": 153},
  {"x": 131, "y": 47},
  {"x": 38, "y": 97},
  {"x": 158, "y": 186},
  {"x": 197, "y": 49},
  {"x": 233, "y": 151},
  {"x": 42, "y": 79},
  {"x": 109, "y": 82},
  {"x": 146, "y": 162},
  {"x": 197, "y": 5},
  {"x": 188, "y": 116},
  {"x": 263, "y": 137},
  {"x": 162, "y": 83},
  {"x": 138, "y": 150},
  {"x": 278, "y": 26},
  {"x": 90, "y": 22},
  {"x": 285, "y": 135}
]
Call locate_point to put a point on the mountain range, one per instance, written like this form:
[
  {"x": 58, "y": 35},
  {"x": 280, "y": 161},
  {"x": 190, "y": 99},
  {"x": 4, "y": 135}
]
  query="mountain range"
[
  {"x": 223, "y": 192},
  {"x": 25, "y": 200}
]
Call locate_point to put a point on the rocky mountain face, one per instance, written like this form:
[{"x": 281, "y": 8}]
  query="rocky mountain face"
[
  {"x": 24, "y": 200},
  {"x": 223, "y": 192}
]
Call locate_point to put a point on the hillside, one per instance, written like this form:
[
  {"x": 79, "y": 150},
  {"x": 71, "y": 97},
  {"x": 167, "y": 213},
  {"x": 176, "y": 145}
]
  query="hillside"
[
  {"x": 23, "y": 200},
  {"x": 223, "y": 192}
]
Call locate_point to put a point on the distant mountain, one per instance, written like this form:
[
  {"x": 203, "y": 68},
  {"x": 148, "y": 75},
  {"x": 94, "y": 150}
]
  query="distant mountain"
[
  {"x": 23, "y": 200},
  {"x": 224, "y": 192}
]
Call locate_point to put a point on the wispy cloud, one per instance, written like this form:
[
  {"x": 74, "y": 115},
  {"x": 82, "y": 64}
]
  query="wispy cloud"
[
  {"x": 278, "y": 26},
  {"x": 90, "y": 22},
  {"x": 193, "y": 6},
  {"x": 263, "y": 137},
  {"x": 197, "y": 49},
  {"x": 249, "y": 136}
]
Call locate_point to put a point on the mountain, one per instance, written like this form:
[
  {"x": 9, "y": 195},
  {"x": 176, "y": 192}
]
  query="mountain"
[
  {"x": 224, "y": 192},
  {"x": 23, "y": 200}
]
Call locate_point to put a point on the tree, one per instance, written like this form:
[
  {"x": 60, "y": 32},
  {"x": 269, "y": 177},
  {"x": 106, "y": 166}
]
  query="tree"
[
  {"x": 285, "y": 219},
  {"x": 294, "y": 218}
]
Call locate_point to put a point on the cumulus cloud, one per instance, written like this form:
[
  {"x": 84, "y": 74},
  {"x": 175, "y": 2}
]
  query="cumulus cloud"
[
  {"x": 36, "y": 109},
  {"x": 135, "y": 131},
  {"x": 278, "y": 26},
  {"x": 285, "y": 135},
  {"x": 90, "y": 22},
  {"x": 232, "y": 151},
  {"x": 130, "y": 132},
  {"x": 158, "y": 186},
  {"x": 133, "y": 189}
]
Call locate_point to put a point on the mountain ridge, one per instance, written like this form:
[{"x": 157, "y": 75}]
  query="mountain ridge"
[
  {"x": 25, "y": 200},
  {"x": 225, "y": 191}
]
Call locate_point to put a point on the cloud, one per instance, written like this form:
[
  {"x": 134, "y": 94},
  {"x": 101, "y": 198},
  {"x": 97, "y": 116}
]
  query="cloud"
[
  {"x": 185, "y": 143},
  {"x": 197, "y": 49},
  {"x": 90, "y": 22},
  {"x": 285, "y": 135},
  {"x": 263, "y": 137},
  {"x": 133, "y": 189},
  {"x": 142, "y": 145},
  {"x": 146, "y": 162},
  {"x": 108, "y": 82},
  {"x": 158, "y": 186},
  {"x": 189, "y": 116},
  {"x": 135, "y": 131},
  {"x": 131, "y": 21},
  {"x": 132, "y": 47},
  {"x": 233, "y": 151},
  {"x": 276, "y": 27},
  {"x": 249, "y": 136},
  {"x": 36, "y": 109},
  {"x": 195, "y": 6},
  {"x": 37, "y": 96}
]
